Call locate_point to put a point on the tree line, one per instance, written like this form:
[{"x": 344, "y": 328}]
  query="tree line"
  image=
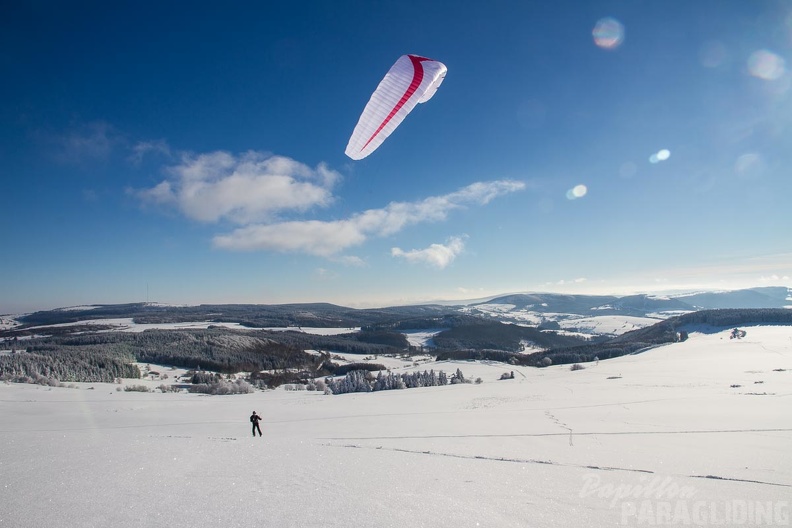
[
  {"x": 363, "y": 381},
  {"x": 65, "y": 366}
]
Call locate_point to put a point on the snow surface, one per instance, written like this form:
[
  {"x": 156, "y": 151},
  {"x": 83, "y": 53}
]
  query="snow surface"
[
  {"x": 573, "y": 324},
  {"x": 422, "y": 338},
  {"x": 611, "y": 325},
  {"x": 8, "y": 322},
  {"x": 701, "y": 428},
  {"x": 313, "y": 330}
]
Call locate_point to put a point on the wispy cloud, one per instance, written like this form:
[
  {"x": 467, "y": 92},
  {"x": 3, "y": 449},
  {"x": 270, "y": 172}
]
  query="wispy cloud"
[
  {"x": 350, "y": 260},
  {"x": 243, "y": 189},
  {"x": 82, "y": 143},
  {"x": 142, "y": 149},
  {"x": 313, "y": 237},
  {"x": 329, "y": 238},
  {"x": 566, "y": 282},
  {"x": 773, "y": 279},
  {"x": 437, "y": 255}
]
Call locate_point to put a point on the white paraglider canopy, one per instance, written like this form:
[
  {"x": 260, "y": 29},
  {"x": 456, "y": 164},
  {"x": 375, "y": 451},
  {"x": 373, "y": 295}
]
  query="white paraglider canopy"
[{"x": 412, "y": 80}]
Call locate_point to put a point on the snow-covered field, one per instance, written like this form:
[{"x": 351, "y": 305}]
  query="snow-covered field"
[
  {"x": 571, "y": 324},
  {"x": 608, "y": 325},
  {"x": 8, "y": 322},
  {"x": 694, "y": 433},
  {"x": 422, "y": 338}
]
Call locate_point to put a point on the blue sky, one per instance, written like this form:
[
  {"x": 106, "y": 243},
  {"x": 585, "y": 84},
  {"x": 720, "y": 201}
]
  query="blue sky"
[{"x": 150, "y": 151}]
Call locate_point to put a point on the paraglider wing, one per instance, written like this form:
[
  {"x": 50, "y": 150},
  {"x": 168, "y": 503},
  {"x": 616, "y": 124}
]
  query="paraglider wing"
[{"x": 410, "y": 81}]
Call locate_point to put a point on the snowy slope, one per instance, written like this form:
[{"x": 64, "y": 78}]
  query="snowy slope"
[{"x": 701, "y": 427}]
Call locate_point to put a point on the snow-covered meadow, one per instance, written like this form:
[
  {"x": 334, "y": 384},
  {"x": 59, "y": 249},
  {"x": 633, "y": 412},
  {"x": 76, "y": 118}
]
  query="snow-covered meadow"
[
  {"x": 570, "y": 324},
  {"x": 693, "y": 433}
]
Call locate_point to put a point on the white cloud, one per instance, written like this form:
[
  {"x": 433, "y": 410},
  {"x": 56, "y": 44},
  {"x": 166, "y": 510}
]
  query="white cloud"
[
  {"x": 329, "y": 238},
  {"x": 255, "y": 190},
  {"x": 243, "y": 189},
  {"x": 313, "y": 237},
  {"x": 437, "y": 255}
]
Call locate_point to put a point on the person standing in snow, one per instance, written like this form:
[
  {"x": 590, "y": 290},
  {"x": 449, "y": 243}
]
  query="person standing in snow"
[{"x": 255, "y": 419}]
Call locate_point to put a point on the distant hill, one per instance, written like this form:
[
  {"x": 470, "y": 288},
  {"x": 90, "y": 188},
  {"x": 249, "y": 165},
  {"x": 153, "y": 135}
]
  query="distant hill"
[
  {"x": 512, "y": 308},
  {"x": 541, "y": 307},
  {"x": 668, "y": 331},
  {"x": 321, "y": 315},
  {"x": 768, "y": 297},
  {"x": 44, "y": 348},
  {"x": 530, "y": 317},
  {"x": 494, "y": 335}
]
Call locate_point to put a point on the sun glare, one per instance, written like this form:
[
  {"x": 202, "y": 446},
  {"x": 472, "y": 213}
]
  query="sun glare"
[
  {"x": 578, "y": 191},
  {"x": 660, "y": 155},
  {"x": 766, "y": 65},
  {"x": 608, "y": 33}
]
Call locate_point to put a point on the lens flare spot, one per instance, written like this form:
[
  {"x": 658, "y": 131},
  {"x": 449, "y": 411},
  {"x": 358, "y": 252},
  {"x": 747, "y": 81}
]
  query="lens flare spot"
[
  {"x": 749, "y": 166},
  {"x": 608, "y": 33},
  {"x": 660, "y": 155},
  {"x": 766, "y": 65},
  {"x": 578, "y": 191}
]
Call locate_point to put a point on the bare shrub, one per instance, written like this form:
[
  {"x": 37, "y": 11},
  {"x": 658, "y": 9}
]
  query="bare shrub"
[
  {"x": 576, "y": 366},
  {"x": 136, "y": 388},
  {"x": 222, "y": 387},
  {"x": 35, "y": 379}
]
